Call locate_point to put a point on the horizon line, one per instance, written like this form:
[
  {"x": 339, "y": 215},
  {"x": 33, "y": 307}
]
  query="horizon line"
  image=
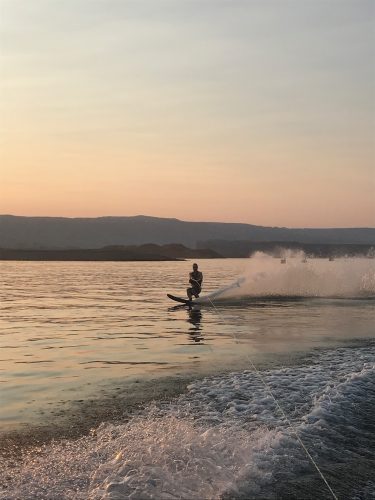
[{"x": 178, "y": 220}]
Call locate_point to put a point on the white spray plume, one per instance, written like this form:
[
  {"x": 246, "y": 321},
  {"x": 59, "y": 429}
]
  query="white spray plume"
[{"x": 296, "y": 276}]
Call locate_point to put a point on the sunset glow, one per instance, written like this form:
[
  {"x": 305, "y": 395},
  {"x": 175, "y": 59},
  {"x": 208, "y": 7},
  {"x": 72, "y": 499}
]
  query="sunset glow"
[{"x": 242, "y": 111}]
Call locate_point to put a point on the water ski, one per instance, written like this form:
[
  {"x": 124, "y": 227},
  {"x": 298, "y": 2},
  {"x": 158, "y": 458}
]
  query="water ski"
[{"x": 180, "y": 299}]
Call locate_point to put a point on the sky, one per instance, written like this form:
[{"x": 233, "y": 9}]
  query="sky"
[{"x": 257, "y": 111}]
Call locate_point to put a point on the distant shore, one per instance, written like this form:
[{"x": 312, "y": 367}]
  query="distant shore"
[
  {"x": 216, "y": 249},
  {"x": 278, "y": 249},
  {"x": 149, "y": 252}
]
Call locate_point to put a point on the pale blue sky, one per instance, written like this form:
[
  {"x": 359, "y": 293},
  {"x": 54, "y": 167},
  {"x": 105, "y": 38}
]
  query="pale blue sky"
[{"x": 117, "y": 105}]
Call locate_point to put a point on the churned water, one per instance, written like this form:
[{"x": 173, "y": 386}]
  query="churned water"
[{"x": 276, "y": 351}]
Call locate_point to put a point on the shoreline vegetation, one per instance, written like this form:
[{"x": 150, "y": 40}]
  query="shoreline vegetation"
[{"x": 216, "y": 249}]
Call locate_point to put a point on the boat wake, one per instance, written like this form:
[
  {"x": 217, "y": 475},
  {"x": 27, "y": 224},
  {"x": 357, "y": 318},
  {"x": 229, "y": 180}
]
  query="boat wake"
[{"x": 226, "y": 438}]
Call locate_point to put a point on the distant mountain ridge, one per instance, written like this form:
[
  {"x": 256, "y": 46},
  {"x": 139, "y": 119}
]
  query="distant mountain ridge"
[
  {"x": 147, "y": 252},
  {"x": 84, "y": 233},
  {"x": 241, "y": 249}
]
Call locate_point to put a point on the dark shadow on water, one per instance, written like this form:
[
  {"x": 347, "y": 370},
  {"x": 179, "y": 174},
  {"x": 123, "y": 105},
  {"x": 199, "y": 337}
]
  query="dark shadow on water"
[
  {"x": 195, "y": 329},
  {"x": 282, "y": 301},
  {"x": 194, "y": 318}
]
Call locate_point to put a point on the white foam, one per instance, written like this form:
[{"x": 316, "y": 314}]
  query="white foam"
[
  {"x": 171, "y": 457},
  {"x": 266, "y": 276},
  {"x": 224, "y": 434}
]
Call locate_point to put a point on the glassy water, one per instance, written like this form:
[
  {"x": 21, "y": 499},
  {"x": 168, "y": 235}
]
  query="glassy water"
[
  {"x": 68, "y": 328},
  {"x": 70, "y": 331}
]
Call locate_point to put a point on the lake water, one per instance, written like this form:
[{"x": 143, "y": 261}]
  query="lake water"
[{"x": 282, "y": 350}]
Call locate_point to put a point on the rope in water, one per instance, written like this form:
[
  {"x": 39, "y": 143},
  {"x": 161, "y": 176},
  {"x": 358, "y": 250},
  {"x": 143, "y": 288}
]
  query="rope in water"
[{"x": 269, "y": 391}]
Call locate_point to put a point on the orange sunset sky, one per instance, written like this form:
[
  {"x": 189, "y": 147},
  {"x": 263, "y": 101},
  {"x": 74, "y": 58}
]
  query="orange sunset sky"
[{"x": 258, "y": 111}]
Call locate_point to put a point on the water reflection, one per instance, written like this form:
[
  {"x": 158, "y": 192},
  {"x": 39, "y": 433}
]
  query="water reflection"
[
  {"x": 195, "y": 318},
  {"x": 53, "y": 334}
]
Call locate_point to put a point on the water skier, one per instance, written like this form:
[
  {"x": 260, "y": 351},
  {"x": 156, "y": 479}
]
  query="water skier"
[{"x": 195, "y": 280}]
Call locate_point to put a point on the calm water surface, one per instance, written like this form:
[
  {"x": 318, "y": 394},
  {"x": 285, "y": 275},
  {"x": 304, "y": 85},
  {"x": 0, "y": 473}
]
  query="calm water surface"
[{"x": 68, "y": 330}]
